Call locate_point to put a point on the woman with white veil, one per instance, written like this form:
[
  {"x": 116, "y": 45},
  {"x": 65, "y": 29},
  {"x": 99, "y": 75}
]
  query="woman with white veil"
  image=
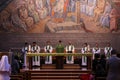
[{"x": 4, "y": 68}]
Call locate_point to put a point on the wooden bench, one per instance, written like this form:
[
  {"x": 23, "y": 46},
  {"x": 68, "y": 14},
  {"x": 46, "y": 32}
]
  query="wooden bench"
[
  {"x": 100, "y": 78},
  {"x": 16, "y": 77}
]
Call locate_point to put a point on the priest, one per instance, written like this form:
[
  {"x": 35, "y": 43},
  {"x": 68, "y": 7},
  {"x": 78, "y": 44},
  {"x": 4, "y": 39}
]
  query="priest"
[
  {"x": 84, "y": 50},
  {"x": 69, "y": 50},
  {"x": 59, "y": 59},
  {"x": 26, "y": 48},
  {"x": 48, "y": 49},
  {"x": 36, "y": 59}
]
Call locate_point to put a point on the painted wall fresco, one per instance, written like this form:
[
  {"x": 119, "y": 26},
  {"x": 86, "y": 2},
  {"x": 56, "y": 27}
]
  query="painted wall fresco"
[{"x": 61, "y": 16}]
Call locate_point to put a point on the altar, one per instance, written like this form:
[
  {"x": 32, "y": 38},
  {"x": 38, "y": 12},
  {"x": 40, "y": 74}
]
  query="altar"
[{"x": 78, "y": 55}]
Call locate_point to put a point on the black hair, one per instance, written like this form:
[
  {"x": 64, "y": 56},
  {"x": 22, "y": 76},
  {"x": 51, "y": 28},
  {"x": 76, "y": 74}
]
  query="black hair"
[
  {"x": 34, "y": 42},
  {"x": 60, "y": 41},
  {"x": 113, "y": 52},
  {"x": 97, "y": 56}
]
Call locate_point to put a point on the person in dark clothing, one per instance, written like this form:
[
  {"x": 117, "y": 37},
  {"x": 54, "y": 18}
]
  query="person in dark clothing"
[
  {"x": 15, "y": 65},
  {"x": 103, "y": 61},
  {"x": 95, "y": 61},
  {"x": 98, "y": 68},
  {"x": 113, "y": 66}
]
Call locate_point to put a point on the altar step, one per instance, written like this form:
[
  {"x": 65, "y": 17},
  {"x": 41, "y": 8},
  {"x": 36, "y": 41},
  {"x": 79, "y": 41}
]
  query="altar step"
[
  {"x": 66, "y": 66},
  {"x": 55, "y": 74}
]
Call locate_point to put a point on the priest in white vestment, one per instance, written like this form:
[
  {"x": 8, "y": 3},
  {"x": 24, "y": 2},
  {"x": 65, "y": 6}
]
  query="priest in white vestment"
[
  {"x": 48, "y": 49},
  {"x": 70, "y": 49},
  {"x": 36, "y": 59},
  {"x": 96, "y": 50},
  {"x": 107, "y": 50},
  {"x": 84, "y": 50},
  {"x": 5, "y": 68},
  {"x": 25, "y": 50}
]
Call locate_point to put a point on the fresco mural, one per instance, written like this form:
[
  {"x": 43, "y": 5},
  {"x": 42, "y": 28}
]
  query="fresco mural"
[{"x": 60, "y": 16}]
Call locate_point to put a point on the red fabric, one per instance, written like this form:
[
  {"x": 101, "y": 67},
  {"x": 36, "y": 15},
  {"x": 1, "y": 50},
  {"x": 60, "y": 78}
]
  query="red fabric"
[{"x": 85, "y": 77}]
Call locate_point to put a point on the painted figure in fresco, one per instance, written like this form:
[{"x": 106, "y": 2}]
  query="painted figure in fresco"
[
  {"x": 105, "y": 18},
  {"x": 59, "y": 8},
  {"x": 83, "y": 6},
  {"x": 70, "y": 49},
  {"x": 90, "y": 7},
  {"x": 48, "y": 6},
  {"x": 5, "y": 22},
  {"x": 99, "y": 9},
  {"x": 40, "y": 7},
  {"x": 17, "y": 22},
  {"x": 66, "y": 4},
  {"x": 96, "y": 50},
  {"x": 113, "y": 19},
  {"x": 23, "y": 14},
  {"x": 72, "y": 5},
  {"x": 48, "y": 49},
  {"x": 52, "y": 4},
  {"x": 32, "y": 11}
]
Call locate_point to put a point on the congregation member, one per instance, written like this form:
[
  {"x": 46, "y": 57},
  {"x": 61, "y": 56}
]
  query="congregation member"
[
  {"x": 107, "y": 50},
  {"x": 103, "y": 61},
  {"x": 36, "y": 59},
  {"x": 25, "y": 50},
  {"x": 70, "y": 49},
  {"x": 113, "y": 67},
  {"x": 97, "y": 66},
  {"x": 85, "y": 49},
  {"x": 48, "y": 49},
  {"x": 96, "y": 50},
  {"x": 5, "y": 68},
  {"x": 59, "y": 59}
]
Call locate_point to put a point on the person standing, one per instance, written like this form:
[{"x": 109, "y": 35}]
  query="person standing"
[
  {"x": 59, "y": 59},
  {"x": 5, "y": 68},
  {"x": 84, "y": 50},
  {"x": 70, "y": 49},
  {"x": 113, "y": 67},
  {"x": 25, "y": 50},
  {"x": 96, "y": 50},
  {"x": 107, "y": 50},
  {"x": 48, "y": 49},
  {"x": 36, "y": 59}
]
